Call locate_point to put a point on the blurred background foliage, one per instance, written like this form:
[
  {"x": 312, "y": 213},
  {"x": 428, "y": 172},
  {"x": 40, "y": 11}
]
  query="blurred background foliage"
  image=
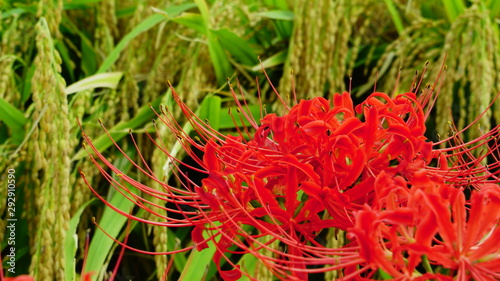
[{"x": 63, "y": 61}]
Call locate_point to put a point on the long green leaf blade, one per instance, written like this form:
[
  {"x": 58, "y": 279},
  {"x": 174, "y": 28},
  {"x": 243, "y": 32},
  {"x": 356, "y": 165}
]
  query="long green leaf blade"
[
  {"x": 277, "y": 15},
  {"x": 396, "y": 18},
  {"x": 145, "y": 25},
  {"x": 71, "y": 242},
  {"x": 221, "y": 64},
  {"x": 101, "y": 80},
  {"x": 112, "y": 222},
  {"x": 14, "y": 119}
]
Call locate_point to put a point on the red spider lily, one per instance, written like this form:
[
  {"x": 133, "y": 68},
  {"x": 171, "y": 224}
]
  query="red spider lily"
[
  {"x": 366, "y": 169},
  {"x": 431, "y": 223}
]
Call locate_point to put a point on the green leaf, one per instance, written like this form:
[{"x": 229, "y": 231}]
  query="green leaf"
[
  {"x": 221, "y": 64},
  {"x": 248, "y": 263},
  {"x": 19, "y": 11},
  {"x": 89, "y": 61},
  {"x": 79, "y": 4},
  {"x": 453, "y": 8},
  {"x": 26, "y": 91},
  {"x": 277, "y": 15},
  {"x": 210, "y": 109},
  {"x": 125, "y": 12},
  {"x": 140, "y": 28},
  {"x": 280, "y": 4},
  {"x": 145, "y": 25},
  {"x": 191, "y": 20},
  {"x": 71, "y": 242},
  {"x": 112, "y": 222},
  {"x": 384, "y": 275},
  {"x": 202, "y": 6},
  {"x": 173, "y": 242},
  {"x": 239, "y": 48},
  {"x": 494, "y": 8},
  {"x": 66, "y": 58},
  {"x": 275, "y": 60},
  {"x": 199, "y": 262},
  {"x": 14, "y": 119},
  {"x": 227, "y": 123},
  {"x": 396, "y": 18},
  {"x": 101, "y": 80}
]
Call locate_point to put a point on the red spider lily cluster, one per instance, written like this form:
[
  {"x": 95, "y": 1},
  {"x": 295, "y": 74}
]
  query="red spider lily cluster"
[{"x": 410, "y": 209}]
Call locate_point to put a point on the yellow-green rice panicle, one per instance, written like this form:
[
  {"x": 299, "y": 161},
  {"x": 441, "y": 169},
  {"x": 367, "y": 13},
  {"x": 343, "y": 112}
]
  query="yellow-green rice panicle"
[
  {"x": 263, "y": 273},
  {"x": 79, "y": 106},
  {"x": 320, "y": 43},
  {"x": 50, "y": 148},
  {"x": 159, "y": 160},
  {"x": 106, "y": 29},
  {"x": 51, "y": 10},
  {"x": 335, "y": 238},
  {"x": 16, "y": 34},
  {"x": 473, "y": 69},
  {"x": 471, "y": 80}
]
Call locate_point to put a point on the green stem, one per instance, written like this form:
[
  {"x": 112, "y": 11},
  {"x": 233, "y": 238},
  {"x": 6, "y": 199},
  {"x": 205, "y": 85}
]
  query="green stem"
[{"x": 426, "y": 264}]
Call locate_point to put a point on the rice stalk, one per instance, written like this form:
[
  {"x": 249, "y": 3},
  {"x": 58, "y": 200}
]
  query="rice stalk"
[
  {"x": 334, "y": 239},
  {"x": 49, "y": 159},
  {"x": 319, "y": 48},
  {"x": 471, "y": 52},
  {"x": 51, "y": 10},
  {"x": 473, "y": 68}
]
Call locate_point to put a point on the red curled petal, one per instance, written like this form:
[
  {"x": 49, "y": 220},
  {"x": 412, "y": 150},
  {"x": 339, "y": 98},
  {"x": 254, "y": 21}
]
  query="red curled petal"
[{"x": 197, "y": 237}]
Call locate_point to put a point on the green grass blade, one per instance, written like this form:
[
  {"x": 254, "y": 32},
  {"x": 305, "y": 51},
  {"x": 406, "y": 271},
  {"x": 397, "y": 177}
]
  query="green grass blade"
[
  {"x": 142, "y": 27},
  {"x": 221, "y": 64},
  {"x": 198, "y": 263},
  {"x": 453, "y": 8},
  {"x": 66, "y": 59},
  {"x": 191, "y": 20},
  {"x": 71, "y": 242},
  {"x": 384, "y": 275},
  {"x": 210, "y": 109},
  {"x": 173, "y": 242},
  {"x": 202, "y": 6},
  {"x": 395, "y": 15},
  {"x": 277, "y": 15},
  {"x": 125, "y": 12},
  {"x": 112, "y": 222},
  {"x": 101, "y": 80},
  {"x": 227, "y": 123},
  {"x": 26, "y": 90},
  {"x": 279, "y": 4},
  {"x": 248, "y": 263},
  {"x": 79, "y": 4},
  {"x": 145, "y": 25},
  {"x": 494, "y": 8},
  {"x": 236, "y": 46},
  {"x": 274, "y": 60},
  {"x": 89, "y": 64},
  {"x": 14, "y": 119}
]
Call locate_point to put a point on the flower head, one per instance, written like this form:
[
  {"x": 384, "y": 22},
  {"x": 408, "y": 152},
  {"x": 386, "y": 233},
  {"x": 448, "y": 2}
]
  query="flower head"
[
  {"x": 366, "y": 169},
  {"x": 430, "y": 224}
]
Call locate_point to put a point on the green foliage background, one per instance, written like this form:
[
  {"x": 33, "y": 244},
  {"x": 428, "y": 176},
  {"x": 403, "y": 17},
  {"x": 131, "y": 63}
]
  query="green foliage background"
[{"x": 63, "y": 61}]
